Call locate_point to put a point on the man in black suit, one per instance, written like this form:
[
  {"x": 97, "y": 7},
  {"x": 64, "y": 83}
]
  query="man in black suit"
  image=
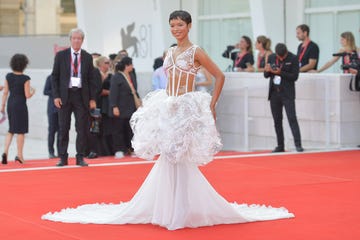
[
  {"x": 74, "y": 90},
  {"x": 283, "y": 70}
]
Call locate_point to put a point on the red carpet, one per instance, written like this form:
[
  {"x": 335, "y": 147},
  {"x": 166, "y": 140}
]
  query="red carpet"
[{"x": 321, "y": 189}]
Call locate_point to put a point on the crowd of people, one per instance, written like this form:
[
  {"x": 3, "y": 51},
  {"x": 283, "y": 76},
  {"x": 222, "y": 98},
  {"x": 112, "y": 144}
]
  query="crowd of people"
[
  {"x": 283, "y": 68},
  {"x": 97, "y": 93},
  {"x": 101, "y": 89},
  {"x": 242, "y": 55}
]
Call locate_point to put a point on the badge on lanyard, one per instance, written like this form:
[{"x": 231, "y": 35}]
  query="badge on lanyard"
[
  {"x": 75, "y": 82},
  {"x": 277, "y": 80}
]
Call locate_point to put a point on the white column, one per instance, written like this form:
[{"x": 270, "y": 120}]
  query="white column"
[
  {"x": 267, "y": 18},
  {"x": 46, "y": 16}
]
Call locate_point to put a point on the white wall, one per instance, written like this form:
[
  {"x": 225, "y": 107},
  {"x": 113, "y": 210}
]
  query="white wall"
[
  {"x": 268, "y": 19},
  {"x": 39, "y": 49}
]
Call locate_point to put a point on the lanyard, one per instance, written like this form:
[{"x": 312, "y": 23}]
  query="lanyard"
[
  {"x": 75, "y": 69},
  {"x": 240, "y": 57},
  {"x": 259, "y": 59},
  {"x": 277, "y": 63},
  {"x": 303, "y": 50}
]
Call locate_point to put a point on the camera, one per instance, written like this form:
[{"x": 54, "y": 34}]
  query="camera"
[
  {"x": 274, "y": 66},
  {"x": 354, "y": 65},
  {"x": 230, "y": 52},
  {"x": 354, "y": 60},
  {"x": 95, "y": 115}
]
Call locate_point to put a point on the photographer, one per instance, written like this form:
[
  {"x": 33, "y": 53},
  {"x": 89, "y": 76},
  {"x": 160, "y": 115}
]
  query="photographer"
[
  {"x": 283, "y": 70},
  {"x": 356, "y": 72},
  {"x": 347, "y": 52}
]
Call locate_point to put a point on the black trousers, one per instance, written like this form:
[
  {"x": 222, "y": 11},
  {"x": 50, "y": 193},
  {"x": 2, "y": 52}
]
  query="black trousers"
[
  {"x": 102, "y": 142},
  {"x": 277, "y": 102},
  {"x": 107, "y": 135},
  {"x": 122, "y": 134},
  {"x": 53, "y": 130},
  {"x": 74, "y": 105}
]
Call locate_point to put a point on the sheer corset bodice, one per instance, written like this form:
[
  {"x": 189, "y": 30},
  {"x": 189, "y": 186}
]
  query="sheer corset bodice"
[{"x": 181, "y": 71}]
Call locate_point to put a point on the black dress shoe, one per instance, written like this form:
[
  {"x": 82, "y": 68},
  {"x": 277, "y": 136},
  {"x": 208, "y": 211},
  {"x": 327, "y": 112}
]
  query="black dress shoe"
[
  {"x": 278, "y": 149},
  {"x": 4, "y": 158},
  {"x": 62, "y": 162},
  {"x": 81, "y": 162},
  {"x": 299, "y": 149},
  {"x": 17, "y": 159}
]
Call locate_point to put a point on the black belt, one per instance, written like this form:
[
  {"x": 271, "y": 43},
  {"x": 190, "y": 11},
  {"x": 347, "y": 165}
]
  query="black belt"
[
  {"x": 74, "y": 89},
  {"x": 276, "y": 88}
]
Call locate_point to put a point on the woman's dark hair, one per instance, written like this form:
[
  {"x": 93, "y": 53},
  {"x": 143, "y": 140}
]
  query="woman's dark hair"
[
  {"x": 180, "y": 14},
  {"x": 19, "y": 62},
  {"x": 249, "y": 43},
  {"x": 125, "y": 61}
]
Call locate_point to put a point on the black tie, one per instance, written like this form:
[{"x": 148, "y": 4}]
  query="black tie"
[{"x": 76, "y": 65}]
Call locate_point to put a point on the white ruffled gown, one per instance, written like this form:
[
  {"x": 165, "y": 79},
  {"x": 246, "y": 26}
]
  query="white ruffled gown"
[{"x": 175, "y": 194}]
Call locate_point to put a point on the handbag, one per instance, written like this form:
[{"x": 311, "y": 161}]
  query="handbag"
[{"x": 137, "y": 100}]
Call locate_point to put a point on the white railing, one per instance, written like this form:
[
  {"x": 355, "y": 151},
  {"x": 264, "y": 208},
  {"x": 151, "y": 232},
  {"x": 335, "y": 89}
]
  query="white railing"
[{"x": 328, "y": 113}]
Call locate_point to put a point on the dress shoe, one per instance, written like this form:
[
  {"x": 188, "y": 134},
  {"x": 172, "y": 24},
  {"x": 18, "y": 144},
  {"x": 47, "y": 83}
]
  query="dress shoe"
[
  {"x": 92, "y": 155},
  {"x": 299, "y": 149},
  {"x": 278, "y": 149},
  {"x": 62, "y": 162},
  {"x": 17, "y": 159},
  {"x": 81, "y": 162},
  {"x": 4, "y": 158}
]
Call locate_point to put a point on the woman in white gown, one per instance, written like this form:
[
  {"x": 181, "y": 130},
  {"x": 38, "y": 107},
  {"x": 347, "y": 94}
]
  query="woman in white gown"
[{"x": 177, "y": 123}]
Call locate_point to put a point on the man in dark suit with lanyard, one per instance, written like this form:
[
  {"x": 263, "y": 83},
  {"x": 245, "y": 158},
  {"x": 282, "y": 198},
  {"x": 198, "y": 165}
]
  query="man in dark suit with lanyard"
[
  {"x": 74, "y": 90},
  {"x": 308, "y": 51},
  {"x": 283, "y": 70}
]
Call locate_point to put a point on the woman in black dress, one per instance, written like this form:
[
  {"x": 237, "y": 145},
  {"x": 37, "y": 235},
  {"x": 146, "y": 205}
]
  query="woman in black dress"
[
  {"x": 244, "y": 61},
  {"x": 18, "y": 85}
]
